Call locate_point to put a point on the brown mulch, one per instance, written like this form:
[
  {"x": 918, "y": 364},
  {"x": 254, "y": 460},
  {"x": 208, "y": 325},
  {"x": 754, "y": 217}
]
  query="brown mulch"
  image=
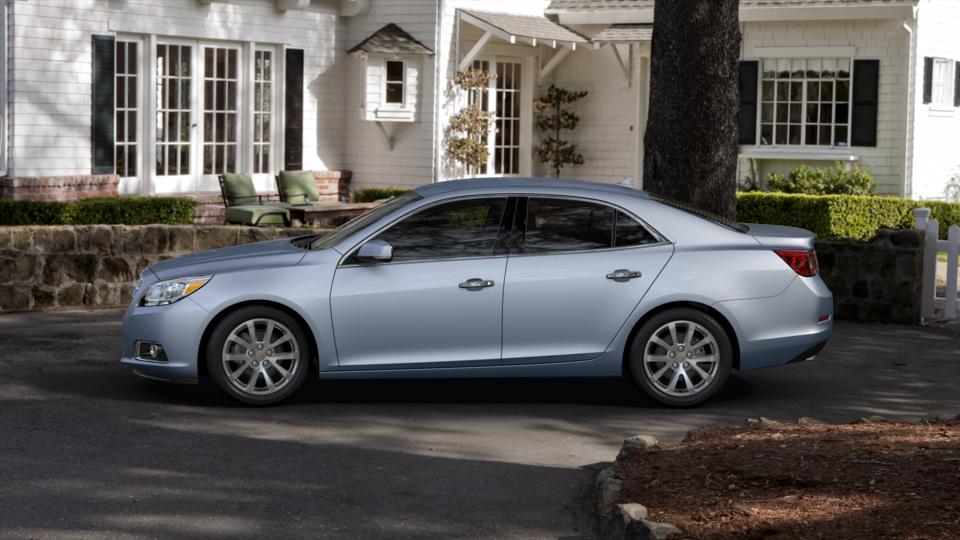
[{"x": 866, "y": 480}]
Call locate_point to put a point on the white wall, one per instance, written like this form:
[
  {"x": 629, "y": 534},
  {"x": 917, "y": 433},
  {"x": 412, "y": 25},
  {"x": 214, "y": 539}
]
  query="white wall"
[
  {"x": 50, "y": 69},
  {"x": 410, "y": 162},
  {"x": 883, "y": 40},
  {"x": 936, "y": 136}
]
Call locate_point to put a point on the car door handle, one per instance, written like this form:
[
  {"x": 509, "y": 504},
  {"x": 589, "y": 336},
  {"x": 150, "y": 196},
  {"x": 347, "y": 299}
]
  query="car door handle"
[
  {"x": 623, "y": 275},
  {"x": 477, "y": 283}
]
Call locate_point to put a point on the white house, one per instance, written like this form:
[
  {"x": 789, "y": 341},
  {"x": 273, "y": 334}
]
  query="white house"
[{"x": 166, "y": 95}]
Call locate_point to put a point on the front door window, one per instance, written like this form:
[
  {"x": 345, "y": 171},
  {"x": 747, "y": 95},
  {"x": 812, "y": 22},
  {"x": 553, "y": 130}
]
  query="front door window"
[
  {"x": 220, "y": 110},
  {"x": 174, "y": 125}
]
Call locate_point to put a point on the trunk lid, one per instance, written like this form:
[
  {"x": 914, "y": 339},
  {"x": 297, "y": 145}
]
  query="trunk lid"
[{"x": 781, "y": 237}]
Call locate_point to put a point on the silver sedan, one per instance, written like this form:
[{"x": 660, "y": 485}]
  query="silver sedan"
[{"x": 517, "y": 277}]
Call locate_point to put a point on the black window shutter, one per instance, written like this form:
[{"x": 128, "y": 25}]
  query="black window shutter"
[
  {"x": 102, "y": 132},
  {"x": 956, "y": 85},
  {"x": 293, "y": 134},
  {"x": 749, "y": 71},
  {"x": 927, "y": 79},
  {"x": 866, "y": 81}
]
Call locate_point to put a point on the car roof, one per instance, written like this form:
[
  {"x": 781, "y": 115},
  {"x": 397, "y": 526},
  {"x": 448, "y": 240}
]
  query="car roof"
[{"x": 494, "y": 184}]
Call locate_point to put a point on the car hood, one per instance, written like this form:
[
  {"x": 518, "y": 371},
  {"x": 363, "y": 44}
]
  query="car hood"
[{"x": 274, "y": 253}]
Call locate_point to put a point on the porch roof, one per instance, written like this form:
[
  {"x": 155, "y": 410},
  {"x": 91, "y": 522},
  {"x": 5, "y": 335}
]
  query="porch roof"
[
  {"x": 391, "y": 39},
  {"x": 624, "y": 33},
  {"x": 511, "y": 27},
  {"x": 557, "y": 6}
]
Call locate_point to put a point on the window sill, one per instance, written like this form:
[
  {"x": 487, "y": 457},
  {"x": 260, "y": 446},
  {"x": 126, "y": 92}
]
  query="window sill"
[
  {"x": 798, "y": 153},
  {"x": 942, "y": 110}
]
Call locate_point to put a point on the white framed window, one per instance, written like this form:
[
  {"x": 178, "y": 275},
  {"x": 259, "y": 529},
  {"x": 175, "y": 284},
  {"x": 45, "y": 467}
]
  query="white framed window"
[
  {"x": 943, "y": 80},
  {"x": 264, "y": 77},
  {"x": 503, "y": 100},
  {"x": 127, "y": 108},
  {"x": 805, "y": 102},
  {"x": 394, "y": 82}
]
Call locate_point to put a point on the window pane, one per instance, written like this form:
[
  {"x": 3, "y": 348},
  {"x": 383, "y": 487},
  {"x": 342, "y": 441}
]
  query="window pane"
[
  {"x": 630, "y": 233},
  {"x": 811, "y": 135},
  {"x": 766, "y": 134},
  {"x": 459, "y": 229},
  {"x": 768, "y": 91},
  {"x": 394, "y": 71},
  {"x": 562, "y": 225},
  {"x": 795, "y": 134},
  {"x": 394, "y": 92},
  {"x": 767, "y": 113},
  {"x": 841, "y": 136}
]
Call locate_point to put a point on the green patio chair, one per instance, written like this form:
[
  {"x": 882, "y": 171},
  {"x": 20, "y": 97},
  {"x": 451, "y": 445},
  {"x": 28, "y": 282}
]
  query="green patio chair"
[
  {"x": 297, "y": 187},
  {"x": 245, "y": 207}
]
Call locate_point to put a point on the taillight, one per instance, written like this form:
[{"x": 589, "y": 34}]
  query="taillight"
[{"x": 803, "y": 261}]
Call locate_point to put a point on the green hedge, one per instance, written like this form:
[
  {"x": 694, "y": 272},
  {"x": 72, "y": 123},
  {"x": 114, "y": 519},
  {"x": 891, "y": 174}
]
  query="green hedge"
[
  {"x": 373, "y": 194},
  {"x": 840, "y": 216},
  {"x": 100, "y": 210}
]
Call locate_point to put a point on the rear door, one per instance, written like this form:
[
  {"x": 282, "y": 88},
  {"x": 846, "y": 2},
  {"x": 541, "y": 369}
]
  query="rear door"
[{"x": 579, "y": 269}]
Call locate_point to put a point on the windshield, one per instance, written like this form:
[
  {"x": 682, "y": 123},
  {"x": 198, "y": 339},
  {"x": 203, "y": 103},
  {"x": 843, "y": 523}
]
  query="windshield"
[
  {"x": 690, "y": 209},
  {"x": 337, "y": 235}
]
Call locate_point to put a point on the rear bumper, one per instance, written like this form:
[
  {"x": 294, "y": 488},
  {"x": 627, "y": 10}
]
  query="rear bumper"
[
  {"x": 782, "y": 329},
  {"x": 178, "y": 328}
]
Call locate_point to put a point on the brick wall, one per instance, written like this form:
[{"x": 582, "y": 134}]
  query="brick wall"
[{"x": 58, "y": 188}]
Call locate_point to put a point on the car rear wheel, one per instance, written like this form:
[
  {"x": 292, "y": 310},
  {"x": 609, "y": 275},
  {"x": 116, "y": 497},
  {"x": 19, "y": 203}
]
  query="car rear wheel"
[
  {"x": 258, "y": 355},
  {"x": 681, "y": 357}
]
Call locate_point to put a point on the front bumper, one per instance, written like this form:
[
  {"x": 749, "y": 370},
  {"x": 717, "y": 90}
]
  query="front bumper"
[
  {"x": 177, "y": 327},
  {"x": 785, "y": 328}
]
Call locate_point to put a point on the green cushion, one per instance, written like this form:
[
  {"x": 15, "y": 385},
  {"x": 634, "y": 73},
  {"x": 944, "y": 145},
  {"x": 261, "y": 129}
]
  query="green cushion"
[
  {"x": 298, "y": 187},
  {"x": 238, "y": 189},
  {"x": 248, "y": 214}
]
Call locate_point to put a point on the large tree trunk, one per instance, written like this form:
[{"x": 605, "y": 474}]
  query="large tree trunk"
[{"x": 690, "y": 146}]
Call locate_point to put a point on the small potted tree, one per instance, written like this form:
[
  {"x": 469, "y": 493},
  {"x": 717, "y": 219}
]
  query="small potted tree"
[{"x": 552, "y": 119}]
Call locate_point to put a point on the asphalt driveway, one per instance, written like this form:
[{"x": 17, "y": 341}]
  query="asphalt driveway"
[{"x": 88, "y": 450}]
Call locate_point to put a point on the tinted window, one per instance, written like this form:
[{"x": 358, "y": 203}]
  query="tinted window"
[
  {"x": 565, "y": 225},
  {"x": 467, "y": 228},
  {"x": 629, "y": 232},
  {"x": 333, "y": 238}
]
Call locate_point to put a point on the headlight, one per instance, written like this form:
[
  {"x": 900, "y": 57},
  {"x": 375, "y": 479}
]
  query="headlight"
[{"x": 174, "y": 290}]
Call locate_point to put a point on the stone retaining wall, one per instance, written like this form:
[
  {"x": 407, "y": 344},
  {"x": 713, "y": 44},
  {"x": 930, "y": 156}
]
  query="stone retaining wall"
[
  {"x": 96, "y": 265},
  {"x": 44, "y": 267},
  {"x": 876, "y": 280}
]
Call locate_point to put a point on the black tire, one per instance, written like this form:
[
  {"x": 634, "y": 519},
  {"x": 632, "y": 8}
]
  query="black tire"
[
  {"x": 297, "y": 343},
  {"x": 645, "y": 380}
]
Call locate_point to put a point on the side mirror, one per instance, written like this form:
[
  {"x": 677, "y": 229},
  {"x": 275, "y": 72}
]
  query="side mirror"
[{"x": 375, "y": 251}]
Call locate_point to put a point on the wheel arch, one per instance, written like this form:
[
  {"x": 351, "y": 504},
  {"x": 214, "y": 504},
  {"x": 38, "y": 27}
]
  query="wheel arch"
[
  {"x": 307, "y": 329},
  {"x": 720, "y": 317}
]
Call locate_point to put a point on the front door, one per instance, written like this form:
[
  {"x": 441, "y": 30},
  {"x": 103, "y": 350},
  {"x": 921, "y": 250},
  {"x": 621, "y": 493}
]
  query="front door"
[
  {"x": 564, "y": 299},
  {"x": 175, "y": 119},
  {"x": 508, "y": 141},
  {"x": 438, "y": 303}
]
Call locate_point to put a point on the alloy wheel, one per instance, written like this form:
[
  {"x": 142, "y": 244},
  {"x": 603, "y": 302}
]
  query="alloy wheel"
[
  {"x": 260, "y": 357},
  {"x": 681, "y": 358}
]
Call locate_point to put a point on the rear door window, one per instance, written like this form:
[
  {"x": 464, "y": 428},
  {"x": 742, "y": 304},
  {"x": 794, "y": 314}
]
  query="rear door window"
[{"x": 554, "y": 225}]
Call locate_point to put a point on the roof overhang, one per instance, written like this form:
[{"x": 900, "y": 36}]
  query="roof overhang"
[
  {"x": 748, "y": 14},
  {"x": 545, "y": 32}
]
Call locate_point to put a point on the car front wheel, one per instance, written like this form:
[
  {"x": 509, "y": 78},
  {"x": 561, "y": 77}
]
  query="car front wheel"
[
  {"x": 258, "y": 355},
  {"x": 681, "y": 357}
]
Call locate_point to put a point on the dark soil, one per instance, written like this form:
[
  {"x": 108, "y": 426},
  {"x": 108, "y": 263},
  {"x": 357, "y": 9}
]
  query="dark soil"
[{"x": 864, "y": 480}]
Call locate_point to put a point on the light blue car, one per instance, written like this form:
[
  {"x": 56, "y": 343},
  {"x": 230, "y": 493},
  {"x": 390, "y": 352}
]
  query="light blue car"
[{"x": 519, "y": 277}]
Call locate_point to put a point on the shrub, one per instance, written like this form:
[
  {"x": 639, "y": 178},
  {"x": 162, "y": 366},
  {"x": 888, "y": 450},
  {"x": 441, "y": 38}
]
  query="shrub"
[
  {"x": 836, "y": 180},
  {"x": 100, "y": 210},
  {"x": 375, "y": 194},
  {"x": 841, "y": 216}
]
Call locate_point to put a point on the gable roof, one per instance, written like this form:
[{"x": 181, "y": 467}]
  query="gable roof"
[
  {"x": 624, "y": 33},
  {"x": 557, "y": 6},
  {"x": 391, "y": 39},
  {"x": 526, "y": 26}
]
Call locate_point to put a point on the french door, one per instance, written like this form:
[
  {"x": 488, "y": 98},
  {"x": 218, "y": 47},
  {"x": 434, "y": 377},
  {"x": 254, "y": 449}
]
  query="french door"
[
  {"x": 508, "y": 98},
  {"x": 214, "y": 111}
]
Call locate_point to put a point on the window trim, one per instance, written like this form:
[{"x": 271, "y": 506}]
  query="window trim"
[
  {"x": 521, "y": 198},
  {"x": 402, "y": 82},
  {"x": 803, "y": 114}
]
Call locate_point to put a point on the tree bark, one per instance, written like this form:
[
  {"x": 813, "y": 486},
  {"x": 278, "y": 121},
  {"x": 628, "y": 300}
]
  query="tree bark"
[{"x": 690, "y": 146}]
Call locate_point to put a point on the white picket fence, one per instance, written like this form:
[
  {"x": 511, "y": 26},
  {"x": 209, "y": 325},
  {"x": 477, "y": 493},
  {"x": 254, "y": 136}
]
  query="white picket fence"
[{"x": 931, "y": 304}]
